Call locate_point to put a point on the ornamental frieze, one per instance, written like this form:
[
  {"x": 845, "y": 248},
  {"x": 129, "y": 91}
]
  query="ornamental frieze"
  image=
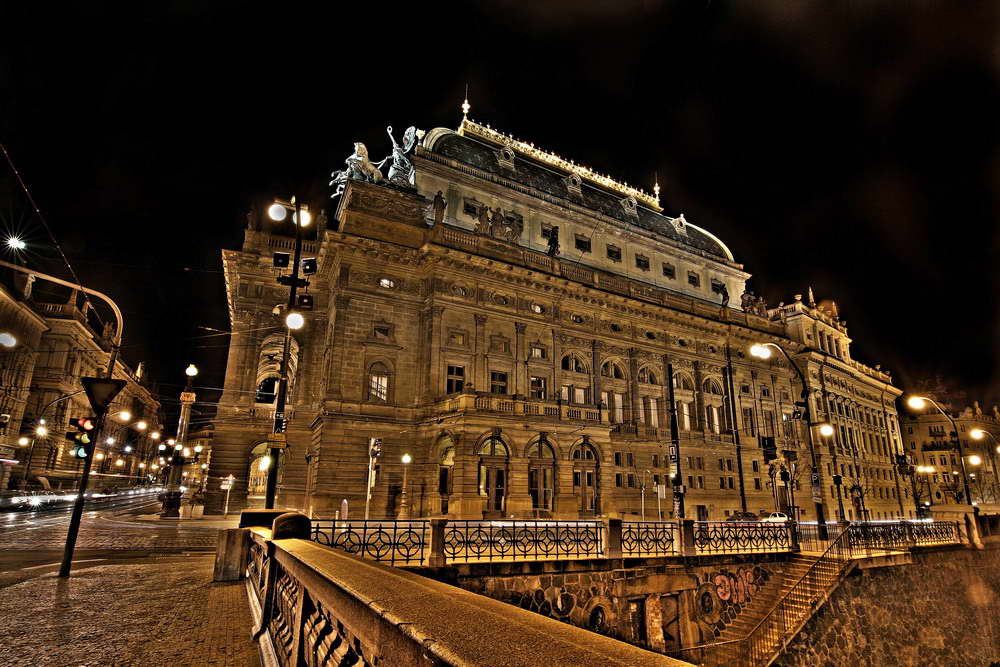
[
  {"x": 566, "y": 339},
  {"x": 388, "y": 205}
]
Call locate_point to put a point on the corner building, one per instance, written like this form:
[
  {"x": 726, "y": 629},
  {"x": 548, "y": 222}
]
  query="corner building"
[{"x": 524, "y": 382}]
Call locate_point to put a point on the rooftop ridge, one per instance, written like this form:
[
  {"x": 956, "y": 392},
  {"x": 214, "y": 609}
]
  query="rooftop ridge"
[{"x": 470, "y": 127}]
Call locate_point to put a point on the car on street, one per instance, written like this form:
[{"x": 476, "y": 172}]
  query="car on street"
[{"x": 777, "y": 517}]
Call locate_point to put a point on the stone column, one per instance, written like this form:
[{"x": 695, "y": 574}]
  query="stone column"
[
  {"x": 595, "y": 359},
  {"x": 435, "y": 387},
  {"x": 339, "y": 320},
  {"x": 479, "y": 355},
  {"x": 633, "y": 386},
  {"x": 520, "y": 363}
]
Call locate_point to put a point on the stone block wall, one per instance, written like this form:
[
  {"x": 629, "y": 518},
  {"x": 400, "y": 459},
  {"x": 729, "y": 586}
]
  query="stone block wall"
[{"x": 943, "y": 609}]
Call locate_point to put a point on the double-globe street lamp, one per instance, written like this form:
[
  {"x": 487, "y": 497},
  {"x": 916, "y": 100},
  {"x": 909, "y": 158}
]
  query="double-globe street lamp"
[
  {"x": 278, "y": 211},
  {"x": 763, "y": 351},
  {"x": 919, "y": 403}
]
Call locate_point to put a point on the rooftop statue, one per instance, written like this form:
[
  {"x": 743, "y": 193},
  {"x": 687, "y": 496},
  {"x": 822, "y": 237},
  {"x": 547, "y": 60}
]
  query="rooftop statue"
[
  {"x": 359, "y": 167},
  {"x": 402, "y": 172}
]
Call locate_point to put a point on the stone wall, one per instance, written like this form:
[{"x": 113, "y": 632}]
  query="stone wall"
[{"x": 941, "y": 610}]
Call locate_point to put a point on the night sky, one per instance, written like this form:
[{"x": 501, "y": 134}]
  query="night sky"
[{"x": 847, "y": 146}]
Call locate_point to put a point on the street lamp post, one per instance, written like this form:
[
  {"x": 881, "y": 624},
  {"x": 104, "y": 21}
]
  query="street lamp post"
[
  {"x": 919, "y": 403},
  {"x": 404, "y": 503},
  {"x": 293, "y": 320},
  {"x": 172, "y": 498},
  {"x": 762, "y": 351}
]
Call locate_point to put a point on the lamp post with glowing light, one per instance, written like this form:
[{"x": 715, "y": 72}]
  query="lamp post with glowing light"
[
  {"x": 763, "y": 351},
  {"x": 293, "y": 320},
  {"x": 918, "y": 403},
  {"x": 172, "y": 497},
  {"x": 926, "y": 472},
  {"x": 979, "y": 434},
  {"x": 404, "y": 501}
]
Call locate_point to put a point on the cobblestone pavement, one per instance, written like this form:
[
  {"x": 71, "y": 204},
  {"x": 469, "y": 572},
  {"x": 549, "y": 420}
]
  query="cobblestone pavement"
[{"x": 149, "y": 613}]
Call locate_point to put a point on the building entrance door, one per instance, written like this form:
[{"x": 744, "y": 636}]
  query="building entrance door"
[
  {"x": 493, "y": 485},
  {"x": 586, "y": 480}
]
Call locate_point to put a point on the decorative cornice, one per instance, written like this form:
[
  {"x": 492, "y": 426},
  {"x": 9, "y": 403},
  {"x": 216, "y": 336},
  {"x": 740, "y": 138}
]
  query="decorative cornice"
[{"x": 471, "y": 128}]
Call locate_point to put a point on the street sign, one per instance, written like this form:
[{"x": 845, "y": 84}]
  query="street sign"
[
  {"x": 276, "y": 441},
  {"x": 101, "y": 392},
  {"x": 226, "y": 485}
]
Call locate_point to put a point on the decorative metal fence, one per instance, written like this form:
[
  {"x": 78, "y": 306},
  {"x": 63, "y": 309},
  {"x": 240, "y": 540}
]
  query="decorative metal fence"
[
  {"x": 725, "y": 537},
  {"x": 870, "y": 537},
  {"x": 926, "y": 533},
  {"x": 393, "y": 542},
  {"x": 487, "y": 541},
  {"x": 650, "y": 538}
]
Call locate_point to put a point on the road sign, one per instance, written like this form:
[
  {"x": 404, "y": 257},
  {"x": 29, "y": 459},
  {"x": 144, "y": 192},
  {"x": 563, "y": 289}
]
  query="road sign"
[
  {"x": 276, "y": 441},
  {"x": 101, "y": 392}
]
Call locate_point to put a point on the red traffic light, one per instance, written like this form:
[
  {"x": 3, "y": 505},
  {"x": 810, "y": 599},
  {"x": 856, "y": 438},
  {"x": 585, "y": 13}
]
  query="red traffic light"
[{"x": 83, "y": 423}]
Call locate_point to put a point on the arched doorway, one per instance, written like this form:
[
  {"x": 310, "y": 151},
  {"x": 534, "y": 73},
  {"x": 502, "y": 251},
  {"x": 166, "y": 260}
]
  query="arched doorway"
[
  {"x": 446, "y": 466},
  {"x": 586, "y": 484},
  {"x": 494, "y": 463},
  {"x": 260, "y": 463},
  {"x": 541, "y": 475}
]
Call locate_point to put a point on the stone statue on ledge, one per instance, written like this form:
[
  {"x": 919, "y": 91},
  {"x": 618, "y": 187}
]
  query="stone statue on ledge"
[
  {"x": 359, "y": 167},
  {"x": 553, "y": 250},
  {"x": 402, "y": 172}
]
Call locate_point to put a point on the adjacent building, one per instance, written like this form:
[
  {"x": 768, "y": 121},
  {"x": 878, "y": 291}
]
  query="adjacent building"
[{"x": 528, "y": 330}]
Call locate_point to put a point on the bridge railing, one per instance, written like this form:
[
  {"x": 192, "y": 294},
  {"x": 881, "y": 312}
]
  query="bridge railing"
[
  {"x": 392, "y": 542},
  {"x": 650, "y": 538},
  {"x": 734, "y": 537},
  {"x": 488, "y": 541}
]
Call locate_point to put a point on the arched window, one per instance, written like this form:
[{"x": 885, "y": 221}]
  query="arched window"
[
  {"x": 493, "y": 446},
  {"x": 493, "y": 461},
  {"x": 683, "y": 381},
  {"x": 710, "y": 386},
  {"x": 586, "y": 485},
  {"x": 647, "y": 376},
  {"x": 584, "y": 452},
  {"x": 267, "y": 390},
  {"x": 573, "y": 363},
  {"x": 445, "y": 464},
  {"x": 612, "y": 370},
  {"x": 541, "y": 474},
  {"x": 378, "y": 383}
]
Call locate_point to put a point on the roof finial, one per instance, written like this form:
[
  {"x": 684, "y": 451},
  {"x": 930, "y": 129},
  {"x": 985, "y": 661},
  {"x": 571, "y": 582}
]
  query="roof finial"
[
  {"x": 656, "y": 187},
  {"x": 465, "y": 104},
  {"x": 812, "y": 299}
]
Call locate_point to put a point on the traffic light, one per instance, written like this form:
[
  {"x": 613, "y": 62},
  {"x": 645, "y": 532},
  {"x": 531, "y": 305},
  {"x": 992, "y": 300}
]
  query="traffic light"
[
  {"x": 376, "y": 447},
  {"x": 305, "y": 301},
  {"x": 82, "y": 444},
  {"x": 281, "y": 260},
  {"x": 309, "y": 266}
]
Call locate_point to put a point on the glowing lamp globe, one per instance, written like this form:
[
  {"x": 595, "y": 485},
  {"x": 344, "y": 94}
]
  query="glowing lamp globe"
[
  {"x": 277, "y": 212},
  {"x": 191, "y": 370},
  {"x": 41, "y": 431},
  {"x": 295, "y": 321},
  {"x": 975, "y": 460},
  {"x": 826, "y": 430},
  {"x": 977, "y": 433},
  {"x": 7, "y": 340},
  {"x": 306, "y": 218},
  {"x": 916, "y": 402},
  {"x": 760, "y": 351},
  {"x": 407, "y": 458}
]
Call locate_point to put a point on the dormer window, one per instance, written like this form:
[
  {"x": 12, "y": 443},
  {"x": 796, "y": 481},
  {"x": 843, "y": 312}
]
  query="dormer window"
[
  {"x": 642, "y": 262},
  {"x": 582, "y": 243},
  {"x": 669, "y": 271},
  {"x": 694, "y": 280},
  {"x": 614, "y": 253}
]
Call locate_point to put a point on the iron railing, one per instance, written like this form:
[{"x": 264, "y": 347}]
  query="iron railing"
[
  {"x": 926, "y": 533},
  {"x": 487, "y": 541},
  {"x": 650, "y": 538},
  {"x": 731, "y": 537},
  {"x": 393, "y": 542}
]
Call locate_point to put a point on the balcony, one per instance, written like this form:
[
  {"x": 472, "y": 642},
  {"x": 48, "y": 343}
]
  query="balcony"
[{"x": 517, "y": 406}]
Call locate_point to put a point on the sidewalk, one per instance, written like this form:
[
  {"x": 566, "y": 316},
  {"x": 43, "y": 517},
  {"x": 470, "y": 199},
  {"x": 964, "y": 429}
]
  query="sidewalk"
[{"x": 151, "y": 614}]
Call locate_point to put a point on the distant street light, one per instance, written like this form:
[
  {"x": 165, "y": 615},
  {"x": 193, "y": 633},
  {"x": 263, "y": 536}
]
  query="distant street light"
[
  {"x": 41, "y": 431},
  {"x": 23, "y": 441},
  {"x": 15, "y": 243},
  {"x": 404, "y": 503},
  {"x": 141, "y": 425},
  {"x": 7, "y": 340},
  {"x": 919, "y": 403}
]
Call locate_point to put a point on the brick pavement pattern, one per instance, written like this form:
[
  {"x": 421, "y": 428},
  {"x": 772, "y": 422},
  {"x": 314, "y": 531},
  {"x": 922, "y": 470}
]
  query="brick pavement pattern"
[{"x": 150, "y": 615}]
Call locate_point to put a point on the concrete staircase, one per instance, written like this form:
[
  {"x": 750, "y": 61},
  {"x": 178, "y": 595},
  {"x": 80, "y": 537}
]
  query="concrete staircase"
[{"x": 758, "y": 635}]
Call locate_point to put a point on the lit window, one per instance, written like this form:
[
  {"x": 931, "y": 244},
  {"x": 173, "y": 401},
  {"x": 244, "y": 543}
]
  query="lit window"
[
  {"x": 378, "y": 383},
  {"x": 537, "y": 352},
  {"x": 537, "y": 308},
  {"x": 387, "y": 283}
]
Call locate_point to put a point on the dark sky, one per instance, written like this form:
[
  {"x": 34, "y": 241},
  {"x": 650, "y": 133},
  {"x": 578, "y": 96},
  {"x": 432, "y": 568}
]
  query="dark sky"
[{"x": 848, "y": 146}]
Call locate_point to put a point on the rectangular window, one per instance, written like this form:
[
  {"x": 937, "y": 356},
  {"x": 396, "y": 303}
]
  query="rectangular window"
[
  {"x": 537, "y": 352},
  {"x": 614, "y": 253},
  {"x": 731, "y": 482},
  {"x": 456, "y": 338},
  {"x": 631, "y": 481},
  {"x": 722, "y": 482},
  {"x": 582, "y": 243},
  {"x": 546, "y": 230},
  {"x": 498, "y": 382},
  {"x": 564, "y": 392},
  {"x": 642, "y": 262},
  {"x": 722, "y": 465},
  {"x": 500, "y": 345},
  {"x": 694, "y": 280},
  {"x": 619, "y": 407},
  {"x": 629, "y": 460},
  {"x": 618, "y": 458},
  {"x": 654, "y": 413},
  {"x": 729, "y": 465},
  {"x": 382, "y": 332},
  {"x": 656, "y": 460},
  {"x": 756, "y": 483},
  {"x": 690, "y": 482},
  {"x": 701, "y": 482},
  {"x": 619, "y": 480},
  {"x": 539, "y": 388},
  {"x": 669, "y": 271},
  {"x": 717, "y": 286},
  {"x": 685, "y": 416},
  {"x": 378, "y": 386},
  {"x": 456, "y": 379},
  {"x": 581, "y": 395},
  {"x": 755, "y": 466}
]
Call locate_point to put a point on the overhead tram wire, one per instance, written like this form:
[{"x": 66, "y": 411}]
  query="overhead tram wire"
[{"x": 48, "y": 230}]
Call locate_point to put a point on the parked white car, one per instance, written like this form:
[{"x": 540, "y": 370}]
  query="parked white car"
[{"x": 777, "y": 517}]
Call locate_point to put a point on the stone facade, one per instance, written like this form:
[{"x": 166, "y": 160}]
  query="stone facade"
[
  {"x": 58, "y": 344},
  {"x": 528, "y": 382},
  {"x": 941, "y": 610}
]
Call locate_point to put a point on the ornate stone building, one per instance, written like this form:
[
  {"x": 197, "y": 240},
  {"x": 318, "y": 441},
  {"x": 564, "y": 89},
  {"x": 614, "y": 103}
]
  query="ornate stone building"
[
  {"x": 929, "y": 442},
  {"x": 511, "y": 320},
  {"x": 57, "y": 344}
]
